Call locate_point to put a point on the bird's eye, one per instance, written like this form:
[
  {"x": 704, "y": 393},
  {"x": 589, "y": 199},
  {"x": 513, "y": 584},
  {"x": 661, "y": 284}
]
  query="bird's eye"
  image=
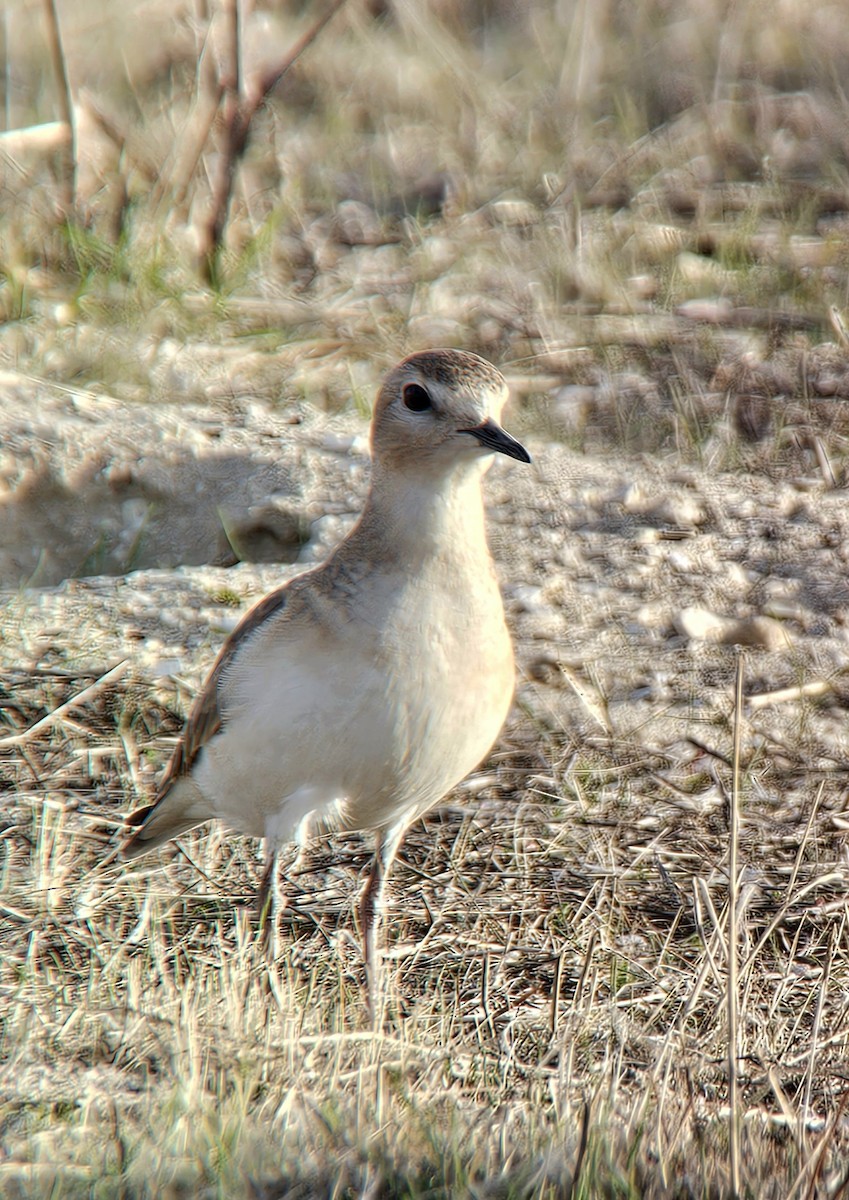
[{"x": 416, "y": 398}]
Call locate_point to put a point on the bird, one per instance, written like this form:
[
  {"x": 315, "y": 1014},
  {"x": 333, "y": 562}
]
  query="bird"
[{"x": 359, "y": 693}]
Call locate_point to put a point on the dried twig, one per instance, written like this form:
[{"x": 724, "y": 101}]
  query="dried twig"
[
  {"x": 81, "y": 698},
  {"x": 240, "y": 104},
  {"x": 32, "y": 140},
  {"x": 818, "y": 687}
]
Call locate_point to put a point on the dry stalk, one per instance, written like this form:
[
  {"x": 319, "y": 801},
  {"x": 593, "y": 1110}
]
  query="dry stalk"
[
  {"x": 582, "y": 1000},
  {"x": 812, "y": 1167},
  {"x": 582, "y": 1150},
  {"x": 835, "y": 877},
  {"x": 176, "y": 176},
  {"x": 733, "y": 938},
  {"x": 69, "y": 148},
  {"x": 822, "y": 991},
  {"x": 815, "y": 807},
  {"x": 842, "y": 1188},
  {"x": 839, "y": 325},
  {"x": 823, "y": 461},
  {"x": 794, "y": 1123},
  {"x": 702, "y": 902}
]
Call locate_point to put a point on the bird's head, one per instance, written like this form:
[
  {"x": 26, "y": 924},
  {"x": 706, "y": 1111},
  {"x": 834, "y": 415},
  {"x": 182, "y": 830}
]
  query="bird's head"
[{"x": 440, "y": 408}]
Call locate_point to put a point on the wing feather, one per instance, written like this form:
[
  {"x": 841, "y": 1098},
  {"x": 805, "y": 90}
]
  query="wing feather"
[{"x": 205, "y": 718}]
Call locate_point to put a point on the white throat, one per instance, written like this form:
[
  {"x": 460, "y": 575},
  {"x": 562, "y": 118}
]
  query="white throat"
[{"x": 424, "y": 513}]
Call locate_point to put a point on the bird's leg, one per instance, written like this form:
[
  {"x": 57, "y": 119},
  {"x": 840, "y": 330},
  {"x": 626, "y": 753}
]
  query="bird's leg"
[
  {"x": 371, "y": 914},
  {"x": 267, "y": 902},
  {"x": 371, "y": 902}
]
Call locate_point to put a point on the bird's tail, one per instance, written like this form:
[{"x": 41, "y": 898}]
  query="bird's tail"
[{"x": 182, "y": 807}]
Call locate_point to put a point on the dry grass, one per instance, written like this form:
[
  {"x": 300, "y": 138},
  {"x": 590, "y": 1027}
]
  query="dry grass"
[
  {"x": 520, "y": 180},
  {"x": 647, "y": 249},
  {"x": 556, "y": 1009}
]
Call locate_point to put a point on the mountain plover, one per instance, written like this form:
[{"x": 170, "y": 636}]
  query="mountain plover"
[{"x": 358, "y": 694}]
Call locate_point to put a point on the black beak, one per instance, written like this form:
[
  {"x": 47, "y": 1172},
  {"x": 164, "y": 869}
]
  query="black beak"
[{"x": 494, "y": 438}]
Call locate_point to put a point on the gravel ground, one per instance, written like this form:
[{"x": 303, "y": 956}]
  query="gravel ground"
[{"x": 629, "y": 580}]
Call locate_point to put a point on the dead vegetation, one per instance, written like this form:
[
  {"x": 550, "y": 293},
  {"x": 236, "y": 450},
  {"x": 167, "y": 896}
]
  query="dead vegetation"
[
  {"x": 555, "y": 1020},
  {"x": 658, "y": 256},
  {"x": 519, "y": 180}
]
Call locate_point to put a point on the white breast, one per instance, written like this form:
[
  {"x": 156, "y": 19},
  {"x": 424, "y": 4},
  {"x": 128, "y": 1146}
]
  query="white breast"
[{"x": 357, "y": 729}]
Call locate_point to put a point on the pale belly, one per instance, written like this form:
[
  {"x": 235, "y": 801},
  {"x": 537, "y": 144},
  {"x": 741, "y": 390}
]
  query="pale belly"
[{"x": 360, "y": 740}]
